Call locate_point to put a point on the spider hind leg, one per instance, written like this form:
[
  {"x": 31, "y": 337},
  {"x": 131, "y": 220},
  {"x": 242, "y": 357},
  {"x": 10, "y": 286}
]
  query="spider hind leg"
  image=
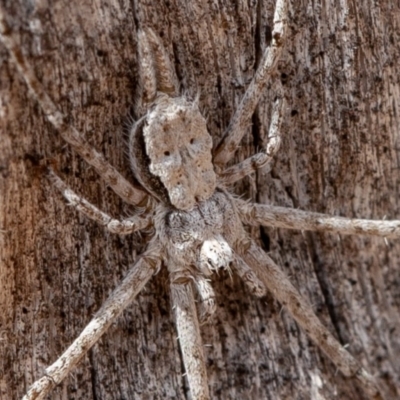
[
  {"x": 241, "y": 119},
  {"x": 121, "y": 186},
  {"x": 263, "y": 159},
  {"x": 120, "y": 227}
]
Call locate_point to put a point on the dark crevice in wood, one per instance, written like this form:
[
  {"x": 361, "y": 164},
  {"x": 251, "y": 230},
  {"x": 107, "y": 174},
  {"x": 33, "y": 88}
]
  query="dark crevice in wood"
[
  {"x": 324, "y": 286},
  {"x": 93, "y": 376}
]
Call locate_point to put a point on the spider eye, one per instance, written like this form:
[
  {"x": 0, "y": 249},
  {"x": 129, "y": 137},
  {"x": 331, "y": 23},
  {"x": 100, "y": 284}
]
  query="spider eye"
[{"x": 166, "y": 153}]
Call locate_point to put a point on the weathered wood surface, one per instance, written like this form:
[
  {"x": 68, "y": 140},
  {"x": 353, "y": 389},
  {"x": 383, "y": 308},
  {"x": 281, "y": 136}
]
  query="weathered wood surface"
[{"x": 340, "y": 155}]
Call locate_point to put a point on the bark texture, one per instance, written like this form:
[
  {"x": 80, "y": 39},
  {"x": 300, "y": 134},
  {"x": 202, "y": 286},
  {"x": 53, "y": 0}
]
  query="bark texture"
[{"x": 340, "y": 155}]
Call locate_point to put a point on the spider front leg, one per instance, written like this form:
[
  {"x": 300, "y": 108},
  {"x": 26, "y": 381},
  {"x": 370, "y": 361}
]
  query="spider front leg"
[
  {"x": 124, "y": 227},
  {"x": 187, "y": 325},
  {"x": 290, "y": 218},
  {"x": 122, "y": 296},
  {"x": 206, "y": 292},
  {"x": 216, "y": 254},
  {"x": 282, "y": 289},
  {"x": 129, "y": 193}
]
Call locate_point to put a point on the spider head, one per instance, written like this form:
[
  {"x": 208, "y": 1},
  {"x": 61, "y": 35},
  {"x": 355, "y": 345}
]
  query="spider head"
[
  {"x": 215, "y": 254},
  {"x": 178, "y": 147}
]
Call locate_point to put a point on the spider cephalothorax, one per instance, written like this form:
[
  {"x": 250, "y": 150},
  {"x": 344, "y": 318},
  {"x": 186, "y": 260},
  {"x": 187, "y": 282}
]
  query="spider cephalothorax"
[
  {"x": 198, "y": 224},
  {"x": 198, "y": 241}
]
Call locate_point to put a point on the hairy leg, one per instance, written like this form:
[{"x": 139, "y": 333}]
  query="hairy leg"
[
  {"x": 240, "y": 121},
  {"x": 134, "y": 282},
  {"x": 129, "y": 193},
  {"x": 279, "y": 285},
  {"x": 124, "y": 227},
  {"x": 248, "y": 276},
  {"x": 259, "y": 160},
  {"x": 290, "y": 218},
  {"x": 206, "y": 292},
  {"x": 207, "y": 306},
  {"x": 190, "y": 340},
  {"x": 246, "y": 167}
]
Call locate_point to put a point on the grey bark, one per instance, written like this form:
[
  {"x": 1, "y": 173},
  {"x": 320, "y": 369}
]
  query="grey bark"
[{"x": 340, "y": 155}]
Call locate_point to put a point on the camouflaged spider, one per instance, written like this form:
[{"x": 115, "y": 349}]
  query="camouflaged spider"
[{"x": 198, "y": 224}]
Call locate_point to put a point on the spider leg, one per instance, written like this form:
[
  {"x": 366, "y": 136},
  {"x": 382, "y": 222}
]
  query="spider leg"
[
  {"x": 129, "y": 193},
  {"x": 282, "y": 289},
  {"x": 207, "y": 306},
  {"x": 124, "y": 227},
  {"x": 121, "y": 297},
  {"x": 248, "y": 166},
  {"x": 237, "y": 127},
  {"x": 290, "y": 218},
  {"x": 206, "y": 292},
  {"x": 189, "y": 339},
  {"x": 248, "y": 276},
  {"x": 263, "y": 159}
]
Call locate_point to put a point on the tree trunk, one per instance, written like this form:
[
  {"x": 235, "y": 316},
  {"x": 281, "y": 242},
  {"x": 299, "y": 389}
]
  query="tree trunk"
[{"x": 340, "y": 155}]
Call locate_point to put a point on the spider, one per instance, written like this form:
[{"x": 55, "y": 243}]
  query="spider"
[{"x": 198, "y": 223}]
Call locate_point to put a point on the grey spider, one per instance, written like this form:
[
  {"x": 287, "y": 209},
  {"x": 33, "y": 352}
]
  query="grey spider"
[{"x": 198, "y": 224}]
